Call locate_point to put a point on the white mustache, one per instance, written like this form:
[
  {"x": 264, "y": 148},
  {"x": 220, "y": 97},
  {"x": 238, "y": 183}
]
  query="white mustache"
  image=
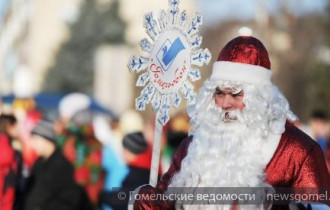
[{"x": 229, "y": 116}]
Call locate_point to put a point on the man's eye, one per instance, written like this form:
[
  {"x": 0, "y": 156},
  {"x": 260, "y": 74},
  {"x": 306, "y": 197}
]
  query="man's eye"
[
  {"x": 237, "y": 94},
  {"x": 219, "y": 92}
]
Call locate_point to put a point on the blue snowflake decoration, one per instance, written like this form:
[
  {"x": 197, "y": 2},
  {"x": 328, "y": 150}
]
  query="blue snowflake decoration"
[{"x": 177, "y": 22}]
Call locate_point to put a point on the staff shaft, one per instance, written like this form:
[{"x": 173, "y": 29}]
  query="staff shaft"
[{"x": 155, "y": 154}]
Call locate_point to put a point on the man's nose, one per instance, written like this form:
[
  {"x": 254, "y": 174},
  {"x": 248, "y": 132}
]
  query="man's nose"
[{"x": 227, "y": 102}]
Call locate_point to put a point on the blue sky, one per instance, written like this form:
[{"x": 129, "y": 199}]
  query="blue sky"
[{"x": 219, "y": 10}]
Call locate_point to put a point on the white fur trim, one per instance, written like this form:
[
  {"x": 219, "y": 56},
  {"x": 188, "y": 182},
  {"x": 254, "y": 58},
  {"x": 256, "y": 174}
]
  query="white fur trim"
[
  {"x": 268, "y": 149},
  {"x": 241, "y": 72}
]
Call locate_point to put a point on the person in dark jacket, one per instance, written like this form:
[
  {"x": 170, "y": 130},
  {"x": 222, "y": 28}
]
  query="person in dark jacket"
[
  {"x": 137, "y": 154},
  {"x": 52, "y": 185}
]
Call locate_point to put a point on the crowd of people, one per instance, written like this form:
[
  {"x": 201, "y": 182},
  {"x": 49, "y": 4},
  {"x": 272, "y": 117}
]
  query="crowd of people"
[{"x": 77, "y": 160}]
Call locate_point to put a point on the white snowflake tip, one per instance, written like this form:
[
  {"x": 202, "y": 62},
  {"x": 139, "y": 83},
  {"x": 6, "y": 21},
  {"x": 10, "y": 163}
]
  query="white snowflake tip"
[
  {"x": 151, "y": 25},
  {"x": 195, "y": 23},
  {"x": 194, "y": 74},
  {"x": 176, "y": 99},
  {"x": 191, "y": 98},
  {"x": 165, "y": 104},
  {"x": 173, "y": 14},
  {"x": 146, "y": 95},
  {"x": 201, "y": 57},
  {"x": 156, "y": 101},
  {"x": 140, "y": 104},
  {"x": 163, "y": 117},
  {"x": 183, "y": 18},
  {"x": 138, "y": 63},
  {"x": 142, "y": 80},
  {"x": 196, "y": 42},
  {"x": 188, "y": 92},
  {"x": 188, "y": 85},
  {"x": 162, "y": 20},
  {"x": 145, "y": 45},
  {"x": 207, "y": 56},
  {"x": 174, "y": 3},
  {"x": 148, "y": 92}
]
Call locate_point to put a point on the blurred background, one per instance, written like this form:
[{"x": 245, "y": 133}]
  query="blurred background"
[
  {"x": 84, "y": 45},
  {"x": 51, "y": 48}
]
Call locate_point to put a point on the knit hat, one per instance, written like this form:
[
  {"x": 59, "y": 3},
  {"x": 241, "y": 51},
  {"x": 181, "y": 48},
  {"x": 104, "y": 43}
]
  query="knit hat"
[
  {"x": 135, "y": 143},
  {"x": 45, "y": 129},
  {"x": 243, "y": 59}
]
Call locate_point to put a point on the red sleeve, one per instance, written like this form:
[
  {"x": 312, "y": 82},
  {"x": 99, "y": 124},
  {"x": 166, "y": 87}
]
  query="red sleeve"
[
  {"x": 7, "y": 160},
  {"x": 145, "y": 192},
  {"x": 7, "y": 156},
  {"x": 313, "y": 171},
  {"x": 175, "y": 166},
  {"x": 313, "y": 176}
]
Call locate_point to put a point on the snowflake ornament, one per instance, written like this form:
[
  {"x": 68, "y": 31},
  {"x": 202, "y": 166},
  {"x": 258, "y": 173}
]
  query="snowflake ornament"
[{"x": 174, "y": 56}]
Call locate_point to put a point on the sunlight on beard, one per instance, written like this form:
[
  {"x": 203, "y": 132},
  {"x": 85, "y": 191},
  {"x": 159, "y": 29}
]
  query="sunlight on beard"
[{"x": 225, "y": 152}]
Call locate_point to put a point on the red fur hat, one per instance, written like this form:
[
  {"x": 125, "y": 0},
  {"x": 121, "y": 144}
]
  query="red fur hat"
[{"x": 243, "y": 59}]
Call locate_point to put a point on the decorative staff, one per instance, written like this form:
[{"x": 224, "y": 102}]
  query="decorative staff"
[{"x": 174, "y": 56}]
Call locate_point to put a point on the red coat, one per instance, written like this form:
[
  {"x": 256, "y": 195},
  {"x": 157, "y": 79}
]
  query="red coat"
[
  {"x": 297, "y": 162},
  {"x": 7, "y": 168}
]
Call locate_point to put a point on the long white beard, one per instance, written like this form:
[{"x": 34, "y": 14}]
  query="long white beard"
[
  {"x": 226, "y": 154},
  {"x": 222, "y": 155}
]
